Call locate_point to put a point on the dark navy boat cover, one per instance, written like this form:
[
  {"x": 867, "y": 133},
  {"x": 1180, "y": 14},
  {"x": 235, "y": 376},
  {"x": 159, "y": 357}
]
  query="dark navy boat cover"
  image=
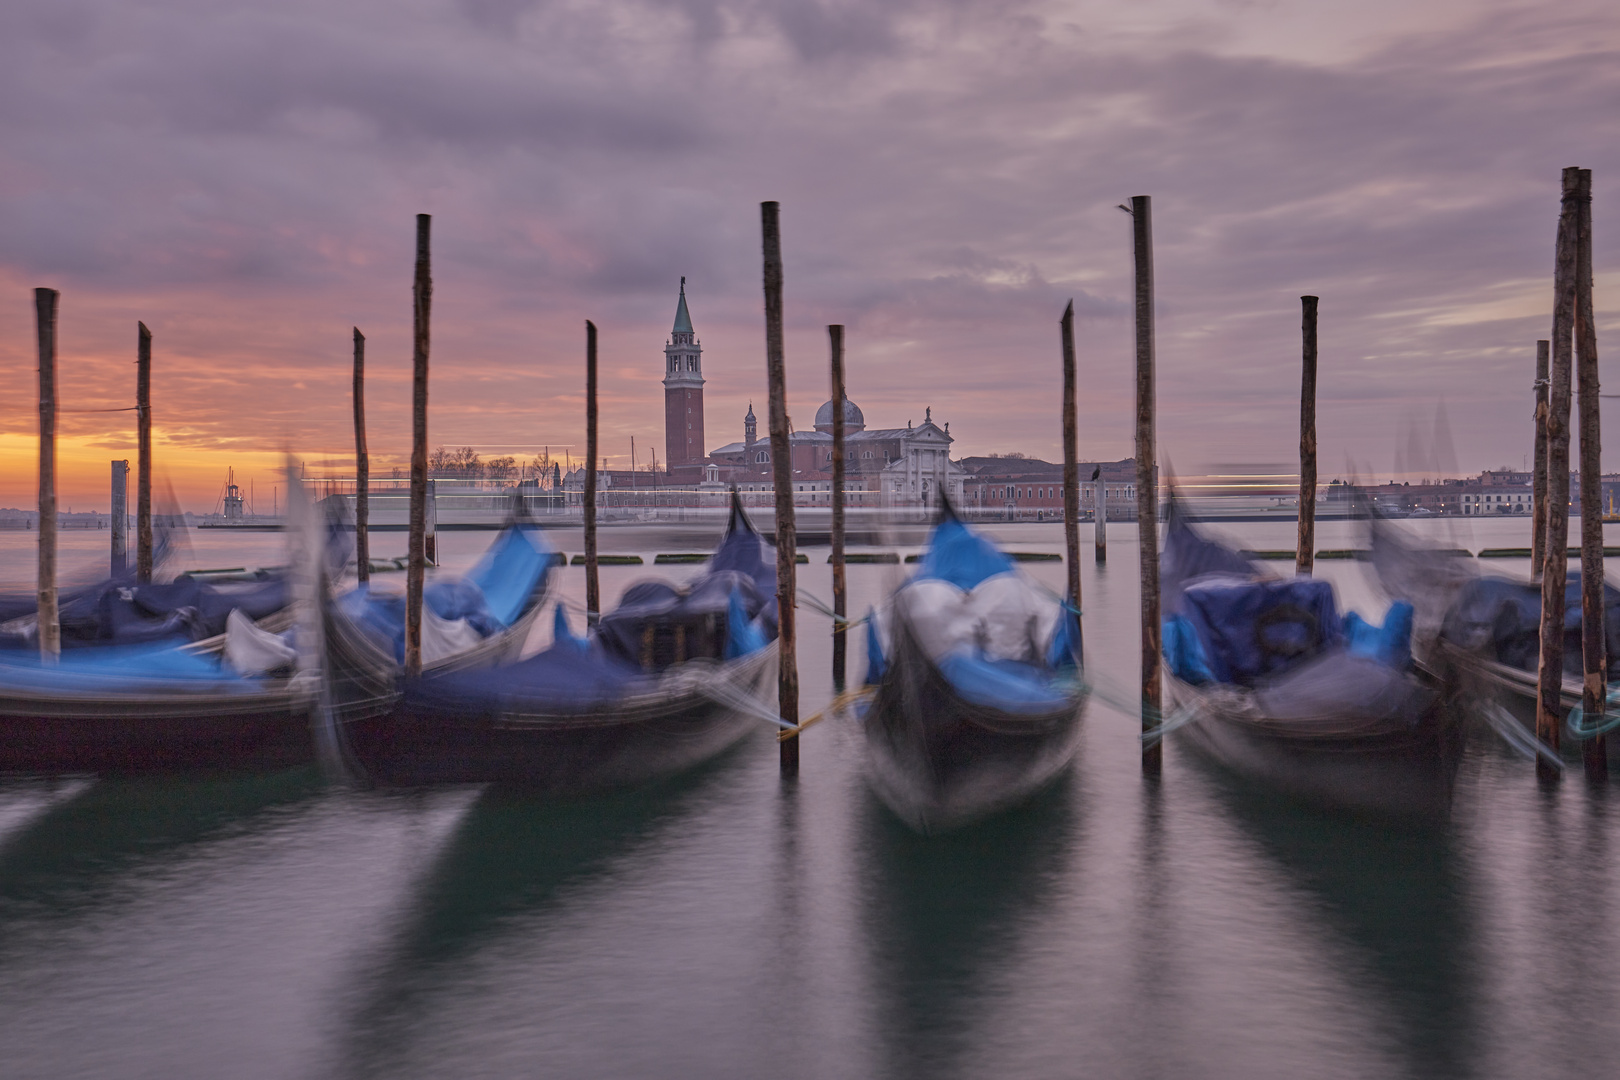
[{"x": 1501, "y": 620}]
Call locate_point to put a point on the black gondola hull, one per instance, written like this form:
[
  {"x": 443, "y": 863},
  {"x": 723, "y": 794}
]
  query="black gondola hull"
[{"x": 938, "y": 760}]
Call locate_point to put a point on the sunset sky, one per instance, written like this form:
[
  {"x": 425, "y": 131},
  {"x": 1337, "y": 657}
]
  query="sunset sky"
[{"x": 243, "y": 179}]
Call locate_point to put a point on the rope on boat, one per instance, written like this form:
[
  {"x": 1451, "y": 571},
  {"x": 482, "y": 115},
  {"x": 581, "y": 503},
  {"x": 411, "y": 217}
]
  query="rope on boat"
[
  {"x": 1514, "y": 734},
  {"x": 836, "y": 706},
  {"x": 826, "y": 609},
  {"x": 724, "y": 693},
  {"x": 1609, "y": 721},
  {"x": 1124, "y": 703}
]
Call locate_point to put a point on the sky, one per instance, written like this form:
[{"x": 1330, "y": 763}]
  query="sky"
[{"x": 244, "y": 179}]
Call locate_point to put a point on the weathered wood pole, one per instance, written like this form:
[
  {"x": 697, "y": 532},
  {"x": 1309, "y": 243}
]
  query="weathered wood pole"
[
  {"x": 1538, "y": 480},
  {"x": 120, "y": 517},
  {"x": 787, "y": 684},
  {"x": 1555, "y": 566},
  {"x": 50, "y": 627},
  {"x": 1071, "y": 458},
  {"x": 840, "y": 642},
  {"x": 593, "y": 588},
  {"x": 1147, "y": 489},
  {"x": 416, "y": 564},
  {"x": 1594, "y": 653},
  {"x": 1099, "y": 519},
  {"x": 362, "y": 464},
  {"x": 1305, "y": 550},
  {"x": 143, "y": 453}
]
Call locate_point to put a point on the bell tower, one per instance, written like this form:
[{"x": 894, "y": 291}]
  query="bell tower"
[{"x": 683, "y": 391}]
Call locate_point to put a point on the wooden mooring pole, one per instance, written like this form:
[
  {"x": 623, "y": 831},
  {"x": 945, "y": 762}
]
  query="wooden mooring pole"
[
  {"x": 593, "y": 588},
  {"x": 1305, "y": 549},
  {"x": 787, "y": 684},
  {"x": 1538, "y": 480},
  {"x": 1099, "y": 517},
  {"x": 1594, "y": 653},
  {"x": 1071, "y": 458},
  {"x": 120, "y": 517},
  {"x": 416, "y": 564},
  {"x": 1147, "y": 488},
  {"x": 50, "y": 627},
  {"x": 362, "y": 464},
  {"x": 1555, "y": 566},
  {"x": 840, "y": 642},
  {"x": 143, "y": 453}
]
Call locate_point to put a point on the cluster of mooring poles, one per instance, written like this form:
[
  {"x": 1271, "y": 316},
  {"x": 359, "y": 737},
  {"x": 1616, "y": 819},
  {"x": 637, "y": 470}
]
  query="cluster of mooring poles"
[
  {"x": 1574, "y": 360},
  {"x": 50, "y": 625}
]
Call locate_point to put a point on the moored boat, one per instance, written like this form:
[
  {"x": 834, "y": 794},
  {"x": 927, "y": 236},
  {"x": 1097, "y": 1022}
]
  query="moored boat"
[
  {"x": 672, "y": 677},
  {"x": 977, "y": 691},
  {"x": 1279, "y": 688}
]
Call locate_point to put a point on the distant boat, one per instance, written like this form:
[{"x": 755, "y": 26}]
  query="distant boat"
[{"x": 977, "y": 690}]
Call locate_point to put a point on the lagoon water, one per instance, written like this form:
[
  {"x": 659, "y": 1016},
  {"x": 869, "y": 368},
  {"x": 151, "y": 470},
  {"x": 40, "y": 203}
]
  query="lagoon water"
[{"x": 733, "y": 923}]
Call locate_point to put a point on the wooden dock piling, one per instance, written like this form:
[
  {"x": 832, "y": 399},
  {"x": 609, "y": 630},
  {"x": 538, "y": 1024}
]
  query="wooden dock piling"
[
  {"x": 593, "y": 588},
  {"x": 143, "y": 453},
  {"x": 1594, "y": 653},
  {"x": 787, "y": 685},
  {"x": 1147, "y": 490},
  {"x": 1555, "y": 567},
  {"x": 120, "y": 517},
  {"x": 1071, "y": 458},
  {"x": 1305, "y": 550},
  {"x": 416, "y": 564},
  {"x": 50, "y": 627},
  {"x": 840, "y": 641},
  {"x": 1099, "y": 517},
  {"x": 1538, "y": 481},
  {"x": 362, "y": 464}
]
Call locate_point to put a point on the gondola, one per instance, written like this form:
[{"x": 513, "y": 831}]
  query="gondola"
[
  {"x": 160, "y": 676},
  {"x": 1484, "y": 630},
  {"x": 1274, "y": 685},
  {"x": 975, "y": 673},
  {"x": 670, "y": 678}
]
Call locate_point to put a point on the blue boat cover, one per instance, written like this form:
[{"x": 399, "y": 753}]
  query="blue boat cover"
[
  {"x": 509, "y": 572},
  {"x": 133, "y": 669},
  {"x": 1253, "y": 629},
  {"x": 1501, "y": 620},
  {"x": 1007, "y": 685},
  {"x": 959, "y": 555}
]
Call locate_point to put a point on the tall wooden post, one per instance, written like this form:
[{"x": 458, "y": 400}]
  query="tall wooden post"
[
  {"x": 1099, "y": 519},
  {"x": 362, "y": 464},
  {"x": 1538, "y": 482},
  {"x": 120, "y": 517},
  {"x": 1555, "y": 568},
  {"x": 1071, "y": 458},
  {"x": 787, "y": 685},
  {"x": 840, "y": 642},
  {"x": 416, "y": 564},
  {"x": 1147, "y": 489},
  {"x": 593, "y": 589},
  {"x": 143, "y": 453},
  {"x": 1305, "y": 549},
  {"x": 50, "y": 627},
  {"x": 1594, "y": 653}
]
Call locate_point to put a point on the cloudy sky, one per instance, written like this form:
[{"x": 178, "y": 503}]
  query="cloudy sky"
[{"x": 243, "y": 178}]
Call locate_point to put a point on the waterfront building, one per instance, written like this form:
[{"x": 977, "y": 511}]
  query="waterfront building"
[{"x": 683, "y": 396}]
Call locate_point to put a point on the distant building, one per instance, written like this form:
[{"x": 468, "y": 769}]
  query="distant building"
[
  {"x": 683, "y": 395},
  {"x": 1021, "y": 487}
]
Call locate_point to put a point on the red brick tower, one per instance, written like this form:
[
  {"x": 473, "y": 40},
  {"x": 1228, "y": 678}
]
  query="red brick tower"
[{"x": 683, "y": 392}]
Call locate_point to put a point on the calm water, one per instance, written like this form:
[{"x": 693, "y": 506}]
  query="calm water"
[{"x": 733, "y": 924}]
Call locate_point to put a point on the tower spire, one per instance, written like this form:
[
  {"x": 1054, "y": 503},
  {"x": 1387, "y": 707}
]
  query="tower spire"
[{"x": 683, "y": 319}]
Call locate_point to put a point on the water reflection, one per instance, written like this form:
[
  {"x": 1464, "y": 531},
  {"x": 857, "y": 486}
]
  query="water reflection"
[
  {"x": 72, "y": 856},
  {"x": 513, "y": 855},
  {"x": 946, "y": 914},
  {"x": 1397, "y": 893}
]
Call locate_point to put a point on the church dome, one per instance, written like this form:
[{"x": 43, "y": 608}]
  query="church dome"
[{"x": 853, "y": 419}]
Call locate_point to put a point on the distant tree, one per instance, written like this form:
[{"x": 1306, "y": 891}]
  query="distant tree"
[
  {"x": 501, "y": 468},
  {"x": 440, "y": 462}
]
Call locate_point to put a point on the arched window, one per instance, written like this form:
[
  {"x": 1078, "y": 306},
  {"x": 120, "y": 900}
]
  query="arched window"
[{"x": 763, "y": 457}]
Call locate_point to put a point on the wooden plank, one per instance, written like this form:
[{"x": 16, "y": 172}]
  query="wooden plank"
[
  {"x": 143, "y": 453},
  {"x": 362, "y": 464},
  {"x": 593, "y": 581},
  {"x": 1305, "y": 548},
  {"x": 787, "y": 686},
  {"x": 1594, "y": 651},
  {"x": 50, "y": 627},
  {"x": 416, "y": 568},
  {"x": 840, "y": 642},
  {"x": 1071, "y": 457},
  {"x": 1147, "y": 493}
]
